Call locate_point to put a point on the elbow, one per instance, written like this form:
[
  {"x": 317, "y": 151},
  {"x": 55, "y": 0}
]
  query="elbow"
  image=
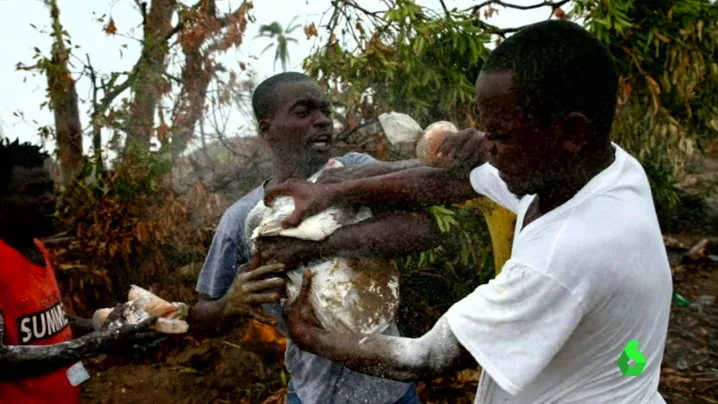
[{"x": 428, "y": 232}]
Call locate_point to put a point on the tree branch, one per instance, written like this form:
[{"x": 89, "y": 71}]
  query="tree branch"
[
  {"x": 545, "y": 3},
  {"x": 446, "y": 10}
]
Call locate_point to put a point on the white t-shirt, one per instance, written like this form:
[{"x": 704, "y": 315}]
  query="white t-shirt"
[{"x": 583, "y": 280}]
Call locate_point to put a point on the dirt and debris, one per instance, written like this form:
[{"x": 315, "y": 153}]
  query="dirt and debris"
[{"x": 233, "y": 369}]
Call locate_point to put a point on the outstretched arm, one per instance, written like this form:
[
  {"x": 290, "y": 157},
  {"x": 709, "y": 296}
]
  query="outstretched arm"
[
  {"x": 420, "y": 186},
  {"x": 21, "y": 361},
  {"x": 374, "y": 169},
  {"x": 80, "y": 326},
  {"x": 415, "y": 187},
  {"x": 386, "y": 235},
  {"x": 436, "y": 353}
]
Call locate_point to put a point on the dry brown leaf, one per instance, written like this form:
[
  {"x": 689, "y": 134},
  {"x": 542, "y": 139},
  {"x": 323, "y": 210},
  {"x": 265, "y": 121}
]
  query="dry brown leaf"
[
  {"x": 311, "y": 30},
  {"x": 110, "y": 28}
]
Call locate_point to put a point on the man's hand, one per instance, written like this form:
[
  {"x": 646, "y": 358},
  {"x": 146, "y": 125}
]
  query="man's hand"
[
  {"x": 309, "y": 199},
  {"x": 300, "y": 319},
  {"x": 286, "y": 250},
  {"x": 252, "y": 287},
  {"x": 130, "y": 336},
  {"x": 468, "y": 148}
]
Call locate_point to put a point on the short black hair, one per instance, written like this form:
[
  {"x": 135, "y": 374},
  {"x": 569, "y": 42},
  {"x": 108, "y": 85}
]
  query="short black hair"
[
  {"x": 558, "y": 67},
  {"x": 263, "y": 98},
  {"x": 16, "y": 154}
]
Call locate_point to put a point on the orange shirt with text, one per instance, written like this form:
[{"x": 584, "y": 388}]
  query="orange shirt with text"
[{"x": 33, "y": 314}]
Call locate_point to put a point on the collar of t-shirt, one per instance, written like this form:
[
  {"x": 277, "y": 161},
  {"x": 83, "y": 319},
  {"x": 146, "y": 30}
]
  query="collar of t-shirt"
[{"x": 600, "y": 181}]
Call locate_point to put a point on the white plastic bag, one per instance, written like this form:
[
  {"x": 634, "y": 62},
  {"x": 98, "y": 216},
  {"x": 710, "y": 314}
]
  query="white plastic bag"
[
  {"x": 400, "y": 128},
  {"x": 348, "y": 295}
]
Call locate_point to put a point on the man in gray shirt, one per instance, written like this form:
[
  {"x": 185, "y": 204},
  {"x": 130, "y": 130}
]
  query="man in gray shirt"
[{"x": 295, "y": 119}]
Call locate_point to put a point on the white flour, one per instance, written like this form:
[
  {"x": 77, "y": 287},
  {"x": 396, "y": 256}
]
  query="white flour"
[{"x": 435, "y": 350}]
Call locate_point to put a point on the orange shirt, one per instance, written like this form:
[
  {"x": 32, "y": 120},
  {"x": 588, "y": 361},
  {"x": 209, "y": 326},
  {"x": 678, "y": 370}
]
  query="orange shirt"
[{"x": 32, "y": 310}]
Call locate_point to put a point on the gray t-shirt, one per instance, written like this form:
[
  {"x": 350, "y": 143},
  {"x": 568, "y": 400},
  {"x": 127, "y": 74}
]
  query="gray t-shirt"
[{"x": 316, "y": 380}]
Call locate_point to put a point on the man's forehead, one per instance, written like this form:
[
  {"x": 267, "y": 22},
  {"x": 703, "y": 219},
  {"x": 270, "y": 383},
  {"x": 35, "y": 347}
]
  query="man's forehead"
[{"x": 300, "y": 92}]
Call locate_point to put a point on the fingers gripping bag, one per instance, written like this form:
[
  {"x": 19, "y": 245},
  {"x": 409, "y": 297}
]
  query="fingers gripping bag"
[{"x": 348, "y": 295}]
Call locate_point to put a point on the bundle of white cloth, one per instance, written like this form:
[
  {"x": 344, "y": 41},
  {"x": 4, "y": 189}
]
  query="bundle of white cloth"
[{"x": 347, "y": 295}]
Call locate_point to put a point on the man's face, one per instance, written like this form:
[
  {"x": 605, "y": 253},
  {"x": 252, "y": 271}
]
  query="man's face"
[
  {"x": 529, "y": 156},
  {"x": 301, "y": 125},
  {"x": 30, "y": 202}
]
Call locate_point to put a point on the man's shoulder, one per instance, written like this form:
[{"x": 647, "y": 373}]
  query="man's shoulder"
[{"x": 233, "y": 218}]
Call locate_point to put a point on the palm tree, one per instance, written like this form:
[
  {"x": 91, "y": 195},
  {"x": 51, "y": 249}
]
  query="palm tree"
[{"x": 281, "y": 39}]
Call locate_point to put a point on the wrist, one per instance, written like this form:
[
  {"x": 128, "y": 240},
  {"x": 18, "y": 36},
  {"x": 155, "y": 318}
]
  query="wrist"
[
  {"x": 227, "y": 310},
  {"x": 304, "y": 334},
  {"x": 333, "y": 193}
]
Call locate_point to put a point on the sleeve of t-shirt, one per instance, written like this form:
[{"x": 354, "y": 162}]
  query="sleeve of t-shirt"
[
  {"x": 355, "y": 159},
  {"x": 486, "y": 181},
  {"x": 220, "y": 267},
  {"x": 515, "y": 324}
]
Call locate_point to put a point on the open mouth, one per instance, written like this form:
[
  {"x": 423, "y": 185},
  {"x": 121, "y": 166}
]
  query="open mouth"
[{"x": 321, "y": 142}]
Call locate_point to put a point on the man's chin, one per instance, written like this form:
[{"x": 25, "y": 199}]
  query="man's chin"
[{"x": 518, "y": 190}]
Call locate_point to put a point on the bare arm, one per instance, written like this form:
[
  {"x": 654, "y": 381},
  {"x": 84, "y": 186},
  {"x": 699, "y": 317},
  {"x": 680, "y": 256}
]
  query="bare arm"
[
  {"x": 386, "y": 235},
  {"x": 436, "y": 353},
  {"x": 80, "y": 326},
  {"x": 209, "y": 317},
  {"x": 421, "y": 186},
  {"x": 410, "y": 188},
  {"x": 23, "y": 361},
  {"x": 374, "y": 169}
]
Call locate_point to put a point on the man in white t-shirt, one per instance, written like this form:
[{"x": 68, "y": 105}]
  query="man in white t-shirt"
[{"x": 588, "y": 271}]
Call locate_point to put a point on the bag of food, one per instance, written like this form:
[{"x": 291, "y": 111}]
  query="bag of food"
[
  {"x": 427, "y": 149},
  {"x": 141, "y": 305},
  {"x": 348, "y": 295}
]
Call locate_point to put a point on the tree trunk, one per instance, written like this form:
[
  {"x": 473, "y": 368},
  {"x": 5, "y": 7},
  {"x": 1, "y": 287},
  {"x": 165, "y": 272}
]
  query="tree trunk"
[
  {"x": 196, "y": 76},
  {"x": 149, "y": 81},
  {"x": 64, "y": 103}
]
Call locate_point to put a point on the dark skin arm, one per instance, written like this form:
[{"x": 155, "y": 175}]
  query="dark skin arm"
[
  {"x": 386, "y": 235},
  {"x": 435, "y": 354},
  {"x": 23, "y": 361},
  {"x": 80, "y": 326},
  {"x": 374, "y": 169},
  {"x": 252, "y": 286},
  {"x": 421, "y": 186}
]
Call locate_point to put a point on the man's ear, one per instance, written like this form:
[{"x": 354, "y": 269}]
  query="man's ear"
[
  {"x": 575, "y": 131},
  {"x": 264, "y": 126}
]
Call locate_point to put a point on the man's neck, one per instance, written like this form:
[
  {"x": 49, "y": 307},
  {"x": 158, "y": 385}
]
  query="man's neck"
[
  {"x": 561, "y": 192},
  {"x": 291, "y": 168}
]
